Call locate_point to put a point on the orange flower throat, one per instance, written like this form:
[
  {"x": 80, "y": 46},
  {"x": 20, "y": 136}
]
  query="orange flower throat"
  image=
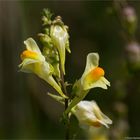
[
  {"x": 95, "y": 74},
  {"x": 28, "y": 54}
]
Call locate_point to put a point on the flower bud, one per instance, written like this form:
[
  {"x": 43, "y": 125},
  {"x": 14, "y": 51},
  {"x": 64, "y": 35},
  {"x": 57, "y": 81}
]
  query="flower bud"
[
  {"x": 46, "y": 18},
  {"x": 60, "y": 39}
]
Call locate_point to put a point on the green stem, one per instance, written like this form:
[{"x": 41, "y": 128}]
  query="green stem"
[
  {"x": 62, "y": 81},
  {"x": 66, "y": 106},
  {"x": 67, "y": 122}
]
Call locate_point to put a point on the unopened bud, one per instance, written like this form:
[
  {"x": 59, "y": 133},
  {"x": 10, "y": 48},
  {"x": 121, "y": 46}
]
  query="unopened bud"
[
  {"x": 46, "y": 21},
  {"x": 46, "y": 17}
]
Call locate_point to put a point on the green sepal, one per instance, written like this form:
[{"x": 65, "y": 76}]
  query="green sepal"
[{"x": 57, "y": 98}]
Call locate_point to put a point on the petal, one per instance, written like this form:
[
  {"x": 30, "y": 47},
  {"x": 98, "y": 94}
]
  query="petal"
[
  {"x": 28, "y": 61},
  {"x": 86, "y": 105},
  {"x": 29, "y": 54},
  {"x": 102, "y": 118},
  {"x": 106, "y": 119},
  {"x": 89, "y": 113},
  {"x": 105, "y": 81},
  {"x": 28, "y": 65},
  {"x": 46, "y": 68},
  {"x": 102, "y": 83},
  {"x": 42, "y": 70},
  {"x": 31, "y": 45},
  {"x": 103, "y": 123},
  {"x": 91, "y": 63}
]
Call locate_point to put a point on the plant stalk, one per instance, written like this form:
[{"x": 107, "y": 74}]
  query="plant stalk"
[
  {"x": 62, "y": 81},
  {"x": 66, "y": 106}
]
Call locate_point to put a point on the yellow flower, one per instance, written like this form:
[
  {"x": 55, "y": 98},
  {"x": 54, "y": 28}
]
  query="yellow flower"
[
  {"x": 88, "y": 113},
  {"x": 60, "y": 39},
  {"x": 92, "y": 77},
  {"x": 34, "y": 62}
]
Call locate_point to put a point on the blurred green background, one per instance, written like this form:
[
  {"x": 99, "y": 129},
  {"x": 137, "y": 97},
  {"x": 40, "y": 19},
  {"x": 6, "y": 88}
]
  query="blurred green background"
[{"x": 26, "y": 112}]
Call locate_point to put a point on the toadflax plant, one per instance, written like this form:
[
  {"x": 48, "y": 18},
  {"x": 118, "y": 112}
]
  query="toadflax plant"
[{"x": 49, "y": 65}]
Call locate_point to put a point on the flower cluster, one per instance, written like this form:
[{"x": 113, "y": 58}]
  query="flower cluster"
[{"x": 49, "y": 65}]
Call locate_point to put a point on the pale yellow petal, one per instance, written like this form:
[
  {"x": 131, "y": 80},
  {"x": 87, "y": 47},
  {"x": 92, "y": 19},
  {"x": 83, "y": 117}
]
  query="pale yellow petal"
[
  {"x": 91, "y": 63},
  {"x": 31, "y": 45}
]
